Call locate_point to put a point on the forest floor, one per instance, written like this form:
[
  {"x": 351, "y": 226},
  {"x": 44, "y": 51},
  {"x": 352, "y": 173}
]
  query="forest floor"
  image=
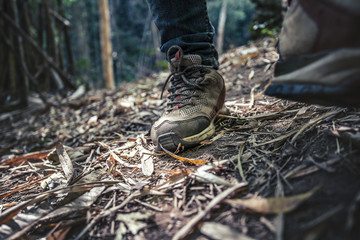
[{"x": 84, "y": 166}]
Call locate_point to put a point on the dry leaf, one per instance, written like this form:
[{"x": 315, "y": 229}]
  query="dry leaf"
[
  {"x": 28, "y": 220},
  {"x": 271, "y": 205},
  {"x": 251, "y": 75},
  {"x": 65, "y": 162},
  {"x": 183, "y": 159},
  {"x": 84, "y": 201},
  {"x": 210, "y": 178},
  {"x": 147, "y": 161},
  {"x": 147, "y": 164},
  {"x": 184, "y": 231},
  {"x": 29, "y": 156},
  {"x": 219, "y": 231}
]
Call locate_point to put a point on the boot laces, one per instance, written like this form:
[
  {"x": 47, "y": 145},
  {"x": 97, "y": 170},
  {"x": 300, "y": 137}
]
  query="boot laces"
[{"x": 185, "y": 83}]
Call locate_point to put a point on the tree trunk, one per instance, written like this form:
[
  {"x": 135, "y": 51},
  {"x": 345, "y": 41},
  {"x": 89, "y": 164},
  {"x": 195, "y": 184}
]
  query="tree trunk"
[
  {"x": 12, "y": 61},
  {"x": 50, "y": 43},
  {"x": 30, "y": 56},
  {"x": 146, "y": 43},
  {"x": 106, "y": 48},
  {"x": 50, "y": 32},
  {"x": 67, "y": 40},
  {"x": 24, "y": 85},
  {"x": 40, "y": 28},
  {"x": 221, "y": 27},
  {"x": 156, "y": 41},
  {"x": 3, "y": 69}
]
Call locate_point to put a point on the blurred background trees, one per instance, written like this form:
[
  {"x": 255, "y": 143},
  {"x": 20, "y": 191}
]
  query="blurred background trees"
[
  {"x": 49, "y": 46},
  {"x": 267, "y": 17},
  {"x": 239, "y": 15}
]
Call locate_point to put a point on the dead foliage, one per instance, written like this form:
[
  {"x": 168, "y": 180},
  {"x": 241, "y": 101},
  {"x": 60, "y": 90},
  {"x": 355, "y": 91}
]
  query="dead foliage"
[{"x": 83, "y": 167}]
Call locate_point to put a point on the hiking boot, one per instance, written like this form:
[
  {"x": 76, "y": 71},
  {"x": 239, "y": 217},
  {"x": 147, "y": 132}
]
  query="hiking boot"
[
  {"x": 319, "y": 48},
  {"x": 196, "y": 95}
]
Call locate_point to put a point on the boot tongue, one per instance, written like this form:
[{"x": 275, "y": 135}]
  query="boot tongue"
[{"x": 186, "y": 61}]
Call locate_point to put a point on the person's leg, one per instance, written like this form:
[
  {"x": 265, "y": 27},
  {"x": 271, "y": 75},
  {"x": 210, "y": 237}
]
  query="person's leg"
[
  {"x": 185, "y": 23},
  {"x": 319, "y": 48},
  {"x": 197, "y": 90}
]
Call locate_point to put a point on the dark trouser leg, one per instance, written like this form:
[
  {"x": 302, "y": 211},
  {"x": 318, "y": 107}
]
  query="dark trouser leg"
[{"x": 185, "y": 23}]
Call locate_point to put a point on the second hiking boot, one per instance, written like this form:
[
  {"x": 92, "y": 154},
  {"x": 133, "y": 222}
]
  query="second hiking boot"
[{"x": 319, "y": 48}]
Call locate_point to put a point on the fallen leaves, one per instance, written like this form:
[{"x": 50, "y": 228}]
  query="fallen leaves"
[
  {"x": 21, "y": 187},
  {"x": 27, "y": 221},
  {"x": 105, "y": 177},
  {"x": 184, "y": 231}
]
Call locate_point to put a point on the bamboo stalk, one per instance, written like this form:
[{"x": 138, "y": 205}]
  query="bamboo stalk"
[
  {"x": 106, "y": 47},
  {"x": 24, "y": 86},
  {"x": 43, "y": 54}
]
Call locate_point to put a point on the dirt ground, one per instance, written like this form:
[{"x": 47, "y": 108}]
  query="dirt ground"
[{"x": 84, "y": 167}]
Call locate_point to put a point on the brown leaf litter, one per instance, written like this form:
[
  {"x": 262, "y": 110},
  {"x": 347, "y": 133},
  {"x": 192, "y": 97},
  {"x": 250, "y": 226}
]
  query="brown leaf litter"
[{"x": 84, "y": 167}]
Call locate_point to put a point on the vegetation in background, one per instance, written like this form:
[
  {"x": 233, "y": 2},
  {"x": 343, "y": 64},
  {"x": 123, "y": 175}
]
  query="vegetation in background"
[
  {"x": 239, "y": 17},
  {"x": 35, "y": 51},
  {"x": 267, "y": 19},
  {"x": 61, "y": 49}
]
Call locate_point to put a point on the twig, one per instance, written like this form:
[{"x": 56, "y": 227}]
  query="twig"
[
  {"x": 149, "y": 205},
  {"x": 183, "y": 232},
  {"x": 280, "y": 138},
  {"x": 241, "y": 150},
  {"x": 60, "y": 19},
  {"x": 312, "y": 122},
  {"x": 106, "y": 213}
]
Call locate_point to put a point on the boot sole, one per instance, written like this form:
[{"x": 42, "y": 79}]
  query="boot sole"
[
  {"x": 324, "y": 78},
  {"x": 171, "y": 141}
]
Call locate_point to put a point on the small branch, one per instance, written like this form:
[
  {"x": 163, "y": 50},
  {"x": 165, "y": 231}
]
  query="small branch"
[
  {"x": 60, "y": 19},
  {"x": 183, "y": 232},
  {"x": 106, "y": 213}
]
